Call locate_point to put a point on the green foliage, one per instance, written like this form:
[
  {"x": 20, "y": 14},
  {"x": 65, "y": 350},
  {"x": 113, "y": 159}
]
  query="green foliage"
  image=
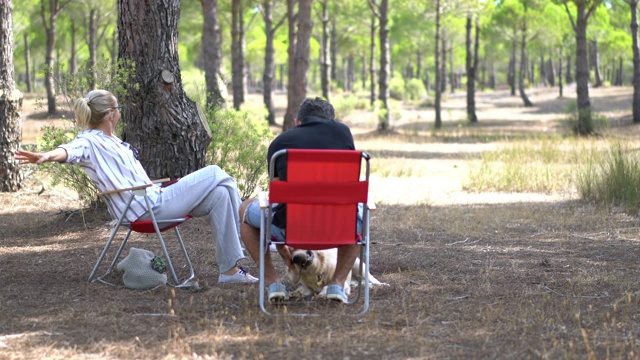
[
  {"x": 592, "y": 122},
  {"x": 415, "y": 90},
  {"x": 396, "y": 88},
  {"x": 239, "y": 146},
  {"x": 71, "y": 176},
  {"x": 612, "y": 178},
  {"x": 346, "y": 104}
]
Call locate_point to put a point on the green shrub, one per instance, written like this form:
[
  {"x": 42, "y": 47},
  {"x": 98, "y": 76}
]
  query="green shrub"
[
  {"x": 347, "y": 104},
  {"x": 414, "y": 90},
  {"x": 71, "y": 176},
  {"x": 396, "y": 88},
  {"x": 239, "y": 146},
  {"x": 611, "y": 179}
]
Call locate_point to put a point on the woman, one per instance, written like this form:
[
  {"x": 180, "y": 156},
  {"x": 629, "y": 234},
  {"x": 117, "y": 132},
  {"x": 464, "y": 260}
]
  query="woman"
[{"x": 112, "y": 164}]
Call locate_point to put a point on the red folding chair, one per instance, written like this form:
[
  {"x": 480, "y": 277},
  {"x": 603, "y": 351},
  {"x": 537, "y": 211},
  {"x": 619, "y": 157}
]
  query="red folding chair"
[
  {"x": 146, "y": 227},
  {"x": 322, "y": 193}
]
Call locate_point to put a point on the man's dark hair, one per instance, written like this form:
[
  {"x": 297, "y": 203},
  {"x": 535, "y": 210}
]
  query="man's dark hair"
[{"x": 317, "y": 107}]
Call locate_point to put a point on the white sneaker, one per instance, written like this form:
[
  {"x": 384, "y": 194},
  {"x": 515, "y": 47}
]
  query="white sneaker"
[{"x": 241, "y": 277}]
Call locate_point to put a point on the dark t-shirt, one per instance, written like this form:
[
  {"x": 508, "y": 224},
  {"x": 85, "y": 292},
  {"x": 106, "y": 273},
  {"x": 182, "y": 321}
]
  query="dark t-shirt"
[{"x": 314, "y": 133}]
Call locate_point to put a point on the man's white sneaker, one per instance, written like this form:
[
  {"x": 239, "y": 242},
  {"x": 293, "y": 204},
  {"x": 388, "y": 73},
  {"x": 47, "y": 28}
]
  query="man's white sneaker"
[{"x": 241, "y": 277}]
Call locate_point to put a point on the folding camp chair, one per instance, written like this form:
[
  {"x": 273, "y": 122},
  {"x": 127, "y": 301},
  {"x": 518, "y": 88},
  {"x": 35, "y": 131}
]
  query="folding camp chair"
[
  {"x": 322, "y": 193},
  {"x": 147, "y": 227}
]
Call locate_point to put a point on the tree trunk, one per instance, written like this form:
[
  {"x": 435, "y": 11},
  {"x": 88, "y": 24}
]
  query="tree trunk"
[
  {"x": 334, "y": 50},
  {"x": 372, "y": 59},
  {"x": 560, "y": 87},
  {"x": 543, "y": 73},
  {"x": 523, "y": 65},
  {"x": 212, "y": 52},
  {"x": 73, "y": 60},
  {"x": 385, "y": 57},
  {"x": 443, "y": 75},
  {"x": 585, "y": 125},
  {"x": 596, "y": 64},
  {"x": 438, "y": 87},
  {"x": 511, "y": 72},
  {"x": 290, "y": 114},
  {"x": 551, "y": 72},
  {"x": 363, "y": 72},
  {"x": 268, "y": 75},
  {"x": 237, "y": 53},
  {"x": 569, "y": 74},
  {"x": 93, "y": 45},
  {"x": 159, "y": 119},
  {"x": 636, "y": 61},
  {"x": 27, "y": 63},
  {"x": 10, "y": 106},
  {"x": 50, "y": 33},
  {"x": 325, "y": 58},
  {"x": 472, "y": 63}
]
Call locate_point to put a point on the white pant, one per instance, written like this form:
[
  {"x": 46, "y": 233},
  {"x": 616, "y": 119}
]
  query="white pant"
[{"x": 212, "y": 193}]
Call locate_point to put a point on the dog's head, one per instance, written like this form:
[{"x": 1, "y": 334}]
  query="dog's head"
[{"x": 302, "y": 258}]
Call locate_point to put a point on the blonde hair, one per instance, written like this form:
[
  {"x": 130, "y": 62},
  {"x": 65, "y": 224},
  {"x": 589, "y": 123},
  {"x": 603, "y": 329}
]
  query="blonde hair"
[{"x": 90, "y": 110}]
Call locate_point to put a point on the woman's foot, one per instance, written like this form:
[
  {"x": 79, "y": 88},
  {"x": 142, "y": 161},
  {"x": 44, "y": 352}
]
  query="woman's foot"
[{"x": 236, "y": 275}]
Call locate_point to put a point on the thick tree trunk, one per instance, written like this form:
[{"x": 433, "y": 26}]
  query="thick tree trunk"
[
  {"x": 268, "y": 75},
  {"x": 237, "y": 53},
  {"x": 636, "y": 61},
  {"x": 585, "y": 125},
  {"x": 212, "y": 52},
  {"x": 10, "y": 106},
  {"x": 471, "y": 63},
  {"x": 27, "y": 63},
  {"x": 438, "y": 87},
  {"x": 93, "y": 45},
  {"x": 325, "y": 58},
  {"x": 49, "y": 19},
  {"x": 159, "y": 119}
]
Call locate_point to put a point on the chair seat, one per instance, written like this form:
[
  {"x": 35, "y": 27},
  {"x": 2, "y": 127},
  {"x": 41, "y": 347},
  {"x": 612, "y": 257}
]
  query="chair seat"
[{"x": 146, "y": 226}]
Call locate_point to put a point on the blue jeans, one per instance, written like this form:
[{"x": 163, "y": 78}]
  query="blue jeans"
[{"x": 253, "y": 214}]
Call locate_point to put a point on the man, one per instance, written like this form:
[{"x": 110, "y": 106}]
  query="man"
[{"x": 315, "y": 128}]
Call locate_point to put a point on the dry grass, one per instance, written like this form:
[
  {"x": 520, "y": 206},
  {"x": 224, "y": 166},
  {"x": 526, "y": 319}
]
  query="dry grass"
[{"x": 471, "y": 276}]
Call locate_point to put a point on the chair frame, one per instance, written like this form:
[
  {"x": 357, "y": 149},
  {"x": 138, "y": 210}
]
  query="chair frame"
[
  {"x": 266, "y": 206},
  {"x": 146, "y": 226}
]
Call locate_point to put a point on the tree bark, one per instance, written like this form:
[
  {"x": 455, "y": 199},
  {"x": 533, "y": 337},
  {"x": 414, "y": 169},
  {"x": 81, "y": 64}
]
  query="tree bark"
[
  {"x": 372, "y": 59},
  {"x": 385, "y": 56},
  {"x": 472, "y": 63},
  {"x": 511, "y": 72},
  {"x": 159, "y": 119},
  {"x": 633, "y": 4},
  {"x": 49, "y": 21},
  {"x": 237, "y": 53},
  {"x": 290, "y": 114},
  {"x": 523, "y": 65},
  {"x": 27, "y": 63},
  {"x": 560, "y": 85},
  {"x": 438, "y": 87},
  {"x": 596, "y": 64},
  {"x": 10, "y": 106},
  {"x": 325, "y": 58},
  {"x": 585, "y": 126},
  {"x": 268, "y": 75},
  {"x": 73, "y": 59},
  {"x": 301, "y": 60},
  {"x": 212, "y": 51},
  {"x": 569, "y": 75}
]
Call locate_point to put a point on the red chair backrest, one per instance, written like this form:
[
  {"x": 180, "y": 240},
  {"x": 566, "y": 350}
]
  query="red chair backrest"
[{"x": 322, "y": 193}]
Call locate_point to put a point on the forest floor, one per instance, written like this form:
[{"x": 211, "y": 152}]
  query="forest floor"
[{"x": 471, "y": 275}]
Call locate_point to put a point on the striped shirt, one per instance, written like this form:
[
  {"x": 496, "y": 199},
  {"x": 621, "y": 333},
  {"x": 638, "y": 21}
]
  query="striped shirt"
[{"x": 111, "y": 165}]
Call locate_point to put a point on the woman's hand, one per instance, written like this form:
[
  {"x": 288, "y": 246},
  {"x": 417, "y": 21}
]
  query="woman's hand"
[{"x": 27, "y": 157}]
